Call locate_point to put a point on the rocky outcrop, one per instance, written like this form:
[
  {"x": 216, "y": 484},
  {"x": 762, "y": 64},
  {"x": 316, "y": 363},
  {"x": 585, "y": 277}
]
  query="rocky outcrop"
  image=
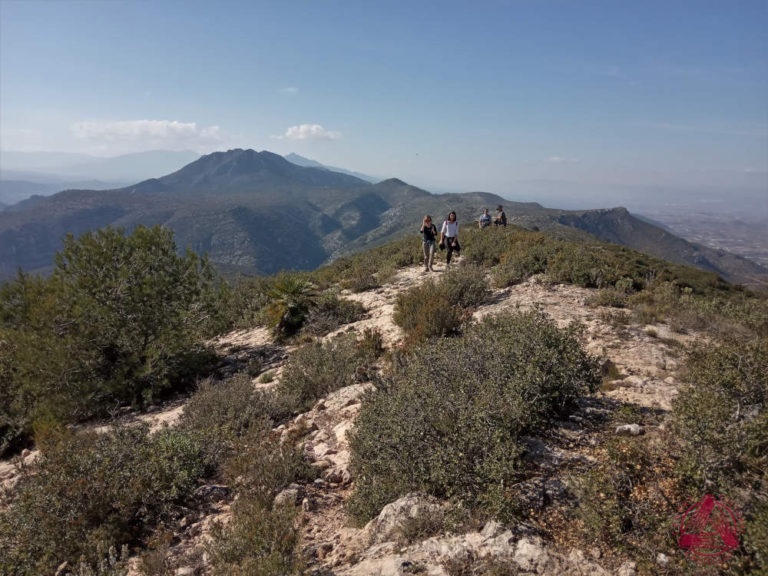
[{"x": 528, "y": 553}]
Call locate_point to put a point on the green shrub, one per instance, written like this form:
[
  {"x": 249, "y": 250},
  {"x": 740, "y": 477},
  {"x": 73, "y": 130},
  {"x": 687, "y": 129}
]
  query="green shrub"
[
  {"x": 719, "y": 428},
  {"x": 526, "y": 257},
  {"x": 261, "y": 465},
  {"x": 485, "y": 247},
  {"x": 372, "y": 344},
  {"x": 90, "y": 492},
  {"x": 361, "y": 277},
  {"x": 291, "y": 297},
  {"x": 629, "y": 499},
  {"x": 369, "y": 269},
  {"x": 244, "y": 304},
  {"x": 329, "y": 312},
  {"x": 425, "y": 312},
  {"x": 434, "y": 309},
  {"x": 316, "y": 368},
  {"x": 261, "y": 538},
  {"x": 258, "y": 541},
  {"x": 222, "y": 411},
  {"x": 449, "y": 421},
  {"x": 721, "y": 417},
  {"x": 117, "y": 322},
  {"x": 464, "y": 286},
  {"x": 608, "y": 297},
  {"x": 583, "y": 265}
]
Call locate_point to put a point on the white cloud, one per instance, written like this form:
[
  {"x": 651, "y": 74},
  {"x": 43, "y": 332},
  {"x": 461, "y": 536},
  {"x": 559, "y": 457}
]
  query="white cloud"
[
  {"x": 289, "y": 90},
  {"x": 561, "y": 160},
  {"x": 310, "y": 132},
  {"x": 169, "y": 134}
]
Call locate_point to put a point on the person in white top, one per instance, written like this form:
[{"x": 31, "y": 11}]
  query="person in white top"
[{"x": 449, "y": 236}]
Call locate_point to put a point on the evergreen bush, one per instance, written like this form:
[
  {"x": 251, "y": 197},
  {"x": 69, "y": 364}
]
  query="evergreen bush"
[{"x": 448, "y": 422}]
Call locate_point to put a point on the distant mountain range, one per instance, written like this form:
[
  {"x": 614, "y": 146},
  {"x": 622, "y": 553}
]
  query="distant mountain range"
[
  {"x": 307, "y": 163},
  {"x": 256, "y": 212},
  {"x": 26, "y": 174}
]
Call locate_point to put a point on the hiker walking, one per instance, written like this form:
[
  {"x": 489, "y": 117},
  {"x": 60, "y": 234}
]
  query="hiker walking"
[
  {"x": 428, "y": 233},
  {"x": 449, "y": 236}
]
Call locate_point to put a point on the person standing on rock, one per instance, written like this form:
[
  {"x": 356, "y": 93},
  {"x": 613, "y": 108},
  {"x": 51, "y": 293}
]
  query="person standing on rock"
[
  {"x": 428, "y": 234},
  {"x": 449, "y": 236}
]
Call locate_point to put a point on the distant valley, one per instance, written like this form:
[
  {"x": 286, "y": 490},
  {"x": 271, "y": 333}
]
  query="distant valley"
[
  {"x": 741, "y": 236},
  {"x": 256, "y": 212}
]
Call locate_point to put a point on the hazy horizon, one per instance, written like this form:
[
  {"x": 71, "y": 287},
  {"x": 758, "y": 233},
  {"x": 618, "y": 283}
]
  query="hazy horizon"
[{"x": 453, "y": 96}]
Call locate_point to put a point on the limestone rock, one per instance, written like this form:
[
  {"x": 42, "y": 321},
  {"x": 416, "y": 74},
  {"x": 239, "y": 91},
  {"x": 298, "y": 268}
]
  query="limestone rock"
[
  {"x": 394, "y": 515},
  {"x": 291, "y": 496},
  {"x": 627, "y": 569},
  {"x": 629, "y": 430},
  {"x": 531, "y": 555}
]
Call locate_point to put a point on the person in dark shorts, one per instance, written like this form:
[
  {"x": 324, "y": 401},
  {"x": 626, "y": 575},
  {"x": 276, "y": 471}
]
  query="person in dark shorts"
[
  {"x": 428, "y": 233},
  {"x": 449, "y": 236},
  {"x": 500, "y": 219}
]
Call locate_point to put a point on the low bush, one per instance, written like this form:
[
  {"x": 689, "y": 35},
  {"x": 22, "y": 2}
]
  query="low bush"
[
  {"x": 244, "y": 304},
  {"x": 486, "y": 247},
  {"x": 370, "y": 269},
  {"x": 89, "y": 492},
  {"x": 721, "y": 417},
  {"x": 464, "y": 286},
  {"x": 258, "y": 541},
  {"x": 526, "y": 257},
  {"x": 317, "y": 368},
  {"x": 448, "y": 421},
  {"x": 222, "y": 411},
  {"x": 424, "y": 312},
  {"x": 434, "y": 309},
  {"x": 372, "y": 343},
  {"x": 583, "y": 265},
  {"x": 360, "y": 277},
  {"x": 261, "y": 465},
  {"x": 261, "y": 538},
  {"x": 609, "y": 297},
  {"x": 329, "y": 312},
  {"x": 629, "y": 500}
]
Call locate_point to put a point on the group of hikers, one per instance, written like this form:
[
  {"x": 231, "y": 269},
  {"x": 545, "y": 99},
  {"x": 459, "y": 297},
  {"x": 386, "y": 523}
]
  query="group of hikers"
[{"x": 449, "y": 234}]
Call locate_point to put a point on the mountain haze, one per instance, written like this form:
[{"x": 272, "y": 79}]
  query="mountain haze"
[
  {"x": 256, "y": 212},
  {"x": 308, "y": 163}
]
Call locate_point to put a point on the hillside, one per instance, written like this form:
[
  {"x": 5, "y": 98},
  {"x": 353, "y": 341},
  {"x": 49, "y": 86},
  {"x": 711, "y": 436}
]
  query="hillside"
[
  {"x": 358, "y": 445},
  {"x": 256, "y": 212}
]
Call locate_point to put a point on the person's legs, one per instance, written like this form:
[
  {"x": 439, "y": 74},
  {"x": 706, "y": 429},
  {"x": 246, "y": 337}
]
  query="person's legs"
[
  {"x": 431, "y": 255},
  {"x": 449, "y": 250},
  {"x": 426, "y": 250}
]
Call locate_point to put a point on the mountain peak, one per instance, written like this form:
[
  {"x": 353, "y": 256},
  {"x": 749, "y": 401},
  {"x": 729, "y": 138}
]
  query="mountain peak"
[
  {"x": 246, "y": 170},
  {"x": 393, "y": 182}
]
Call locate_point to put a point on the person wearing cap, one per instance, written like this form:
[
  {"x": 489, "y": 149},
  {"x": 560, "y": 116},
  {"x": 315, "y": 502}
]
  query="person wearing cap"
[{"x": 501, "y": 218}]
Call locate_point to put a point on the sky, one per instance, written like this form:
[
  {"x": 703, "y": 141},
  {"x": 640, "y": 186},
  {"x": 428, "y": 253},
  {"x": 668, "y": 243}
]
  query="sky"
[{"x": 450, "y": 95}]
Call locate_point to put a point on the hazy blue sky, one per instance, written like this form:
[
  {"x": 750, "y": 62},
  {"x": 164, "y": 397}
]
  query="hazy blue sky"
[{"x": 444, "y": 94}]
